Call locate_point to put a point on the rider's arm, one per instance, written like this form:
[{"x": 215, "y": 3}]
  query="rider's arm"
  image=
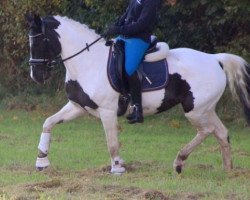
[
  {"x": 146, "y": 19},
  {"x": 121, "y": 20}
]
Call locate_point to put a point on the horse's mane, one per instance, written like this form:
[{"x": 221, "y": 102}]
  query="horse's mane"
[{"x": 77, "y": 25}]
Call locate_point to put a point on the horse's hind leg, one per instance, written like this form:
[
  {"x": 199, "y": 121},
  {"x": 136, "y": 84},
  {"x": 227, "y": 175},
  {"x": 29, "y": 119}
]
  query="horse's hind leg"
[
  {"x": 221, "y": 134},
  {"x": 185, "y": 152},
  {"x": 67, "y": 113},
  {"x": 204, "y": 127},
  {"x": 205, "y": 124}
]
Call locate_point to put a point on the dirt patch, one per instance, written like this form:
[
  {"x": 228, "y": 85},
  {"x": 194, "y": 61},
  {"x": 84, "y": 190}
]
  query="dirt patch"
[
  {"x": 231, "y": 196},
  {"x": 119, "y": 192},
  {"x": 105, "y": 169},
  {"x": 155, "y": 195},
  {"x": 74, "y": 188},
  {"x": 84, "y": 189},
  {"x": 190, "y": 196},
  {"x": 242, "y": 153},
  {"x": 240, "y": 172},
  {"x": 122, "y": 191},
  {"x": 26, "y": 198},
  {"x": 52, "y": 172},
  {"x": 84, "y": 184},
  {"x": 131, "y": 191},
  {"x": 43, "y": 185},
  {"x": 132, "y": 167},
  {"x": 4, "y": 137}
]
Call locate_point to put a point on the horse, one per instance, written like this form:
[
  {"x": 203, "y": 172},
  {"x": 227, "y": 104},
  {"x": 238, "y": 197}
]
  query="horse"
[{"x": 197, "y": 81}]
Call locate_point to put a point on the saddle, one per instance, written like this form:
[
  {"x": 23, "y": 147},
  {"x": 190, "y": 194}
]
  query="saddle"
[{"x": 152, "y": 72}]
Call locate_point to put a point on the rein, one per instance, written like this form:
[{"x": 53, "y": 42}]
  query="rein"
[{"x": 76, "y": 54}]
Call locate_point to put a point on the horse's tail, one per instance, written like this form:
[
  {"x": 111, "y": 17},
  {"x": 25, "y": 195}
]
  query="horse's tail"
[{"x": 238, "y": 75}]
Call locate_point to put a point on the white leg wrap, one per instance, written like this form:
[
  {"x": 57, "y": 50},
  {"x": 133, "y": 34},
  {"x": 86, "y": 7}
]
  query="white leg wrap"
[
  {"x": 116, "y": 166},
  {"x": 42, "y": 162},
  {"x": 44, "y": 142}
]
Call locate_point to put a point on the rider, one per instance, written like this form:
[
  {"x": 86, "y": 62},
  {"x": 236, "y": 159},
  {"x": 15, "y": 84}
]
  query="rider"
[{"x": 135, "y": 28}]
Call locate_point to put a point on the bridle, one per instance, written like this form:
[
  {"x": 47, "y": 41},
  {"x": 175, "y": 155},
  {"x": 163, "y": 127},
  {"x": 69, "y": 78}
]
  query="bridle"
[
  {"x": 51, "y": 62},
  {"x": 40, "y": 61}
]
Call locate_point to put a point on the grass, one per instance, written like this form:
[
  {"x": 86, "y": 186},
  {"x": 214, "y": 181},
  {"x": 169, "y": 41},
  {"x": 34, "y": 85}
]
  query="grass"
[{"x": 80, "y": 160}]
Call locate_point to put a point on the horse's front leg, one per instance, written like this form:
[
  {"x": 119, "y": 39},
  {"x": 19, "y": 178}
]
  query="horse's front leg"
[
  {"x": 67, "y": 113},
  {"x": 110, "y": 124}
]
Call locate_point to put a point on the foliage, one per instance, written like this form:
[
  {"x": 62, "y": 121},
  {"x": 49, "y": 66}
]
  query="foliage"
[
  {"x": 14, "y": 41},
  {"x": 207, "y": 25}
]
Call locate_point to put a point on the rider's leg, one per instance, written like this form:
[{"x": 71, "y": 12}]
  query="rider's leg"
[
  {"x": 134, "y": 52},
  {"x": 120, "y": 60}
]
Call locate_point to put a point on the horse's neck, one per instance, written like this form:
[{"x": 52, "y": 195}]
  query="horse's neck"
[{"x": 88, "y": 65}]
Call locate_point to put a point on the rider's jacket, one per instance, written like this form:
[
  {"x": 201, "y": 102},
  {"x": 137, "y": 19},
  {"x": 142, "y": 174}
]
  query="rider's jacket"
[{"x": 139, "y": 19}]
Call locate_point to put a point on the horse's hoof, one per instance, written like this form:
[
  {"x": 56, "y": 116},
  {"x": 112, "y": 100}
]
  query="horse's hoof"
[
  {"x": 178, "y": 169},
  {"x": 42, "y": 163},
  {"x": 117, "y": 170},
  {"x": 41, "y": 168},
  {"x": 117, "y": 174}
]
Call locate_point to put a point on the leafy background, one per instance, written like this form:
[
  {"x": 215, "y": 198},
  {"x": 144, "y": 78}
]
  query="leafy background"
[{"x": 208, "y": 25}]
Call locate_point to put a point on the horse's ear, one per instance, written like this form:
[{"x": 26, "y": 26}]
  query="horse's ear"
[
  {"x": 29, "y": 18},
  {"x": 33, "y": 19},
  {"x": 38, "y": 20}
]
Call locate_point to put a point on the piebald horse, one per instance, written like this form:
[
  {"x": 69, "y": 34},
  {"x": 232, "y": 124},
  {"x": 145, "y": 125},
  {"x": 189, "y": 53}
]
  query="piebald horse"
[{"x": 197, "y": 81}]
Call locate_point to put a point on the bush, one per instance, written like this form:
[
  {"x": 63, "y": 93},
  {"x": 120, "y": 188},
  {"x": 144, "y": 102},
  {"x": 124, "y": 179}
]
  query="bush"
[{"x": 14, "y": 41}]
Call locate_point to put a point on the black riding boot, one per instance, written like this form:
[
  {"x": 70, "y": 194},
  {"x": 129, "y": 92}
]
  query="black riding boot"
[{"x": 135, "y": 91}]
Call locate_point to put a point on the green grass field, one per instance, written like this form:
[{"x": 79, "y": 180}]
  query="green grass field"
[{"x": 80, "y": 160}]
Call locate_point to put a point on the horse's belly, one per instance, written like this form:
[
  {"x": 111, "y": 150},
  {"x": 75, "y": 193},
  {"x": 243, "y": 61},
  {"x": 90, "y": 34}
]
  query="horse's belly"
[{"x": 151, "y": 101}]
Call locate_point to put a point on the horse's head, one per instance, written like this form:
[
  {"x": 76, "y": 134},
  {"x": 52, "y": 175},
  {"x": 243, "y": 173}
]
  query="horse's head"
[{"x": 44, "y": 46}]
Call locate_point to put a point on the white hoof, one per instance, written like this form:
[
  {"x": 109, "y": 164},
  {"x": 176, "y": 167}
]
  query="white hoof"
[
  {"x": 117, "y": 170},
  {"x": 42, "y": 163},
  {"x": 116, "y": 166}
]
